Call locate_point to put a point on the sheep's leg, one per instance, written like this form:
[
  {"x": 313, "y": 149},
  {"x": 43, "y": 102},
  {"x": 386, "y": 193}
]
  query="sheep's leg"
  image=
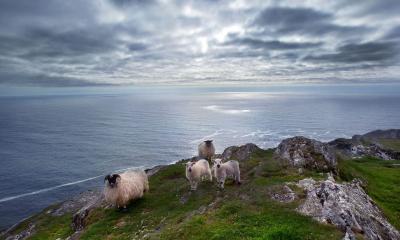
[
  {"x": 221, "y": 184},
  {"x": 238, "y": 179},
  {"x": 193, "y": 186}
]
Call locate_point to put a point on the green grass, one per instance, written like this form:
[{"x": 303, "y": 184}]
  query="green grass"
[
  {"x": 171, "y": 211},
  {"x": 382, "y": 182},
  {"x": 393, "y": 144},
  {"x": 237, "y": 220}
]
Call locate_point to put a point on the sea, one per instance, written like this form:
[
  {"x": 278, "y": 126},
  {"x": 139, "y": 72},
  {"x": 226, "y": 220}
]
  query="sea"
[{"x": 58, "y": 142}]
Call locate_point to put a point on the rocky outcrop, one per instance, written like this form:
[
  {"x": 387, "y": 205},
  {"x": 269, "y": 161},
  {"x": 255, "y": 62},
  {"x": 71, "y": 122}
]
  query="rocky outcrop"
[
  {"x": 302, "y": 152},
  {"x": 346, "y": 206},
  {"x": 378, "y": 134},
  {"x": 240, "y": 153},
  {"x": 360, "y": 146}
]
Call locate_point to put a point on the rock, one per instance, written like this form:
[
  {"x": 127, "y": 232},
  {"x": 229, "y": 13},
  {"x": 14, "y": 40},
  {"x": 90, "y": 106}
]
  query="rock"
[
  {"x": 151, "y": 171},
  {"x": 240, "y": 153},
  {"x": 284, "y": 195},
  {"x": 76, "y": 203},
  {"x": 368, "y": 145},
  {"x": 79, "y": 218},
  {"x": 346, "y": 206},
  {"x": 355, "y": 149},
  {"x": 25, "y": 234},
  {"x": 307, "y": 153}
]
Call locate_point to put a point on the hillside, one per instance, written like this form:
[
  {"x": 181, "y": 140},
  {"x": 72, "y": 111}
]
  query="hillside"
[{"x": 271, "y": 203}]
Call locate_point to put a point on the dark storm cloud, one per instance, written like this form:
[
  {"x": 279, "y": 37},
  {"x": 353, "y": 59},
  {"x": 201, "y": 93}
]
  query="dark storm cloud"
[
  {"x": 364, "y": 52},
  {"x": 304, "y": 21},
  {"x": 114, "y": 42},
  {"x": 271, "y": 45}
]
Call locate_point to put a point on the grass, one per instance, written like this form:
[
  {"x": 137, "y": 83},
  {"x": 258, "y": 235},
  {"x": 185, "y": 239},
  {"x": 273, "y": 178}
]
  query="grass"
[
  {"x": 382, "y": 180},
  {"x": 171, "y": 211},
  {"x": 393, "y": 144},
  {"x": 237, "y": 220}
]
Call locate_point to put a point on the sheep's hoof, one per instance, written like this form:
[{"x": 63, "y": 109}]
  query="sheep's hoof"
[{"x": 239, "y": 183}]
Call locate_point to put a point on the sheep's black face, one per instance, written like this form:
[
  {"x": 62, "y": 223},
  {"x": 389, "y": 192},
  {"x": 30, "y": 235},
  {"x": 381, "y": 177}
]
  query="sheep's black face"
[
  {"x": 208, "y": 142},
  {"x": 112, "y": 180}
]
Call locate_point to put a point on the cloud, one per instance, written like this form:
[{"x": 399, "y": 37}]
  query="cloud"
[
  {"x": 272, "y": 44},
  {"x": 364, "y": 52},
  {"x": 122, "y": 42},
  {"x": 303, "y": 21}
]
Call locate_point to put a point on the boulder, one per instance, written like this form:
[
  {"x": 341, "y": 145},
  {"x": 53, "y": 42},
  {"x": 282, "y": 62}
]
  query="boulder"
[
  {"x": 306, "y": 153},
  {"x": 346, "y": 206},
  {"x": 240, "y": 153}
]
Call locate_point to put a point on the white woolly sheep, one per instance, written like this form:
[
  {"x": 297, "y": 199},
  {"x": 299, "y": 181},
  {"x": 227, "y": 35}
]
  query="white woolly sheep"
[
  {"x": 198, "y": 171},
  {"x": 122, "y": 188},
  {"x": 229, "y": 169},
  {"x": 206, "y": 150}
]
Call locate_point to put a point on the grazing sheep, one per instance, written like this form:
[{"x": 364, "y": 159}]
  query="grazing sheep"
[
  {"x": 197, "y": 171},
  {"x": 122, "y": 188},
  {"x": 229, "y": 169},
  {"x": 206, "y": 150}
]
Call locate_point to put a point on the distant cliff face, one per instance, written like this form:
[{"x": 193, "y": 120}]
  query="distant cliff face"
[{"x": 384, "y": 144}]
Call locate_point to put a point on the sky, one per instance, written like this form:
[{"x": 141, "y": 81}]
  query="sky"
[{"x": 74, "y": 43}]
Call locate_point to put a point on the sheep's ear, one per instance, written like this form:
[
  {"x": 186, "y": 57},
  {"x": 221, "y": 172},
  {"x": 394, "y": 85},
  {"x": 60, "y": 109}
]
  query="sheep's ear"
[{"x": 117, "y": 175}]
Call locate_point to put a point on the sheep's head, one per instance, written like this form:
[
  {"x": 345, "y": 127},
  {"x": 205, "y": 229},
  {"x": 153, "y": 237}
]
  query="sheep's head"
[
  {"x": 189, "y": 166},
  {"x": 217, "y": 162},
  {"x": 112, "y": 180},
  {"x": 208, "y": 142}
]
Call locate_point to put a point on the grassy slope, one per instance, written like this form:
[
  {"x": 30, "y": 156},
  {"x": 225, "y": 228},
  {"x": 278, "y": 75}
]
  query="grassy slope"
[
  {"x": 170, "y": 211},
  {"x": 238, "y": 212},
  {"x": 382, "y": 182}
]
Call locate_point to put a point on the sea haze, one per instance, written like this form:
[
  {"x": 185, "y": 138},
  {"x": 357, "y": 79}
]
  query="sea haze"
[{"x": 55, "y": 146}]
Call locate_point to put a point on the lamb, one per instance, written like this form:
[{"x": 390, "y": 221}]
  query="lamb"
[
  {"x": 197, "y": 171},
  {"x": 121, "y": 188},
  {"x": 206, "y": 150},
  {"x": 229, "y": 169}
]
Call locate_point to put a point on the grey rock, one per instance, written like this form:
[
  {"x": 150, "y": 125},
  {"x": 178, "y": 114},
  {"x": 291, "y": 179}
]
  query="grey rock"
[
  {"x": 240, "y": 153},
  {"x": 346, "y": 206},
  {"x": 284, "y": 195},
  {"x": 355, "y": 149},
  {"x": 25, "y": 234},
  {"x": 77, "y": 202},
  {"x": 151, "y": 171},
  {"x": 368, "y": 145},
  {"x": 307, "y": 153},
  {"x": 92, "y": 202}
]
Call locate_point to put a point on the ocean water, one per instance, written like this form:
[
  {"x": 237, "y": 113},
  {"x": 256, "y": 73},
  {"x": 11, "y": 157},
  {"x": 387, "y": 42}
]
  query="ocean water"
[{"x": 55, "y": 146}]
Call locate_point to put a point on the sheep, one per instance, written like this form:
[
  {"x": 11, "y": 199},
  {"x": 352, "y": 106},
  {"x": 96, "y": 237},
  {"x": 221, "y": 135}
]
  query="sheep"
[
  {"x": 206, "y": 150},
  {"x": 229, "y": 169},
  {"x": 121, "y": 188},
  {"x": 197, "y": 171}
]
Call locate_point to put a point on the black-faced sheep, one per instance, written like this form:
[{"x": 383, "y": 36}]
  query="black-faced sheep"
[
  {"x": 198, "y": 171},
  {"x": 206, "y": 150},
  {"x": 121, "y": 188},
  {"x": 229, "y": 169}
]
